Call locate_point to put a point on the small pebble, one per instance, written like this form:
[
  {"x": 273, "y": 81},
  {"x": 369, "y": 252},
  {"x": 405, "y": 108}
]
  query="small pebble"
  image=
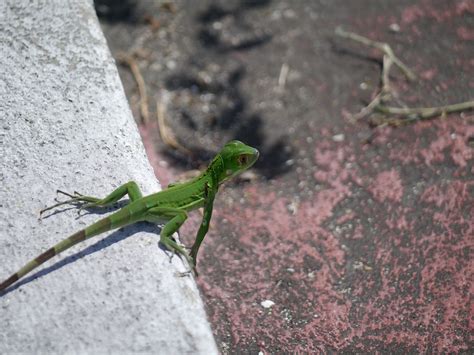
[
  {"x": 395, "y": 27},
  {"x": 267, "y": 303}
]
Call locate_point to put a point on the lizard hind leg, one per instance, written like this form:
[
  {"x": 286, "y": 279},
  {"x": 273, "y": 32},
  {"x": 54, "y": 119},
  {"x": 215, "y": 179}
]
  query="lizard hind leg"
[{"x": 130, "y": 188}]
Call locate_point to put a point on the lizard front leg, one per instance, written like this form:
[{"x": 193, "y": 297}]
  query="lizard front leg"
[
  {"x": 210, "y": 194},
  {"x": 175, "y": 218}
]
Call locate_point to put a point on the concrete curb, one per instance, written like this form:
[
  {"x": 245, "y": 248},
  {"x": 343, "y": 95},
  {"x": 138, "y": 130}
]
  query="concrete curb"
[{"x": 66, "y": 124}]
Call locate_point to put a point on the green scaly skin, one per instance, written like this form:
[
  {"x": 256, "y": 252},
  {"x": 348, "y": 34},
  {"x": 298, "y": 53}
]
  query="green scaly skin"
[{"x": 169, "y": 206}]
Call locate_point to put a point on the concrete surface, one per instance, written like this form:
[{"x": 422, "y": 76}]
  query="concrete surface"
[
  {"x": 362, "y": 248},
  {"x": 65, "y": 123}
]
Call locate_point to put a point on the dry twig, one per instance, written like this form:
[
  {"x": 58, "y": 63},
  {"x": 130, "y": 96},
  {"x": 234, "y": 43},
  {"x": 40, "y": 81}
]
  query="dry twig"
[
  {"x": 132, "y": 63},
  {"x": 384, "y": 47},
  {"x": 405, "y": 115},
  {"x": 165, "y": 131},
  {"x": 283, "y": 76}
]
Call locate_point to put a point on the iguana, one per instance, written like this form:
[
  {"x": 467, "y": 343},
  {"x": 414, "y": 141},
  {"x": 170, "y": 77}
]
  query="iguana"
[{"x": 169, "y": 206}]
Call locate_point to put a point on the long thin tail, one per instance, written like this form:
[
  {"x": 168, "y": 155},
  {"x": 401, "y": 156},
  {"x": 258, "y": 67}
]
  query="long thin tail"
[{"x": 99, "y": 227}]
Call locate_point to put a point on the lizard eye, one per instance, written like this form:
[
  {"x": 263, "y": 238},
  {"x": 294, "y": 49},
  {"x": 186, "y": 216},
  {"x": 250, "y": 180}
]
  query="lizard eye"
[{"x": 242, "y": 160}]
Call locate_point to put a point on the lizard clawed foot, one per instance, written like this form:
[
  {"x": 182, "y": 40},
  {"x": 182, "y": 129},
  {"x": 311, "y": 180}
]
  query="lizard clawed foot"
[
  {"x": 85, "y": 206},
  {"x": 59, "y": 203},
  {"x": 189, "y": 272},
  {"x": 184, "y": 273},
  {"x": 75, "y": 198},
  {"x": 171, "y": 255},
  {"x": 188, "y": 258},
  {"x": 65, "y": 193}
]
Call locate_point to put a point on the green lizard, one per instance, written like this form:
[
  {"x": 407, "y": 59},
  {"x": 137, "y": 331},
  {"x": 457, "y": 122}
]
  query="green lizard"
[{"x": 169, "y": 206}]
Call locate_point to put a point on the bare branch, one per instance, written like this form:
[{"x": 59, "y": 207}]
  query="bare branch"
[
  {"x": 426, "y": 112},
  {"x": 132, "y": 63},
  {"x": 405, "y": 115},
  {"x": 384, "y": 47},
  {"x": 166, "y": 133}
]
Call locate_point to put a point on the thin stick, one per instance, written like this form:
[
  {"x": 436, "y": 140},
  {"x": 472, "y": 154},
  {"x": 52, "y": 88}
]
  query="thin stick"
[
  {"x": 132, "y": 63},
  {"x": 283, "y": 76},
  {"x": 165, "y": 132},
  {"x": 426, "y": 112},
  {"x": 384, "y": 47},
  {"x": 367, "y": 110},
  {"x": 386, "y": 93}
]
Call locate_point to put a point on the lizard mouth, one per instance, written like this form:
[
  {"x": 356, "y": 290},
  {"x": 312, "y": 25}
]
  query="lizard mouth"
[{"x": 254, "y": 157}]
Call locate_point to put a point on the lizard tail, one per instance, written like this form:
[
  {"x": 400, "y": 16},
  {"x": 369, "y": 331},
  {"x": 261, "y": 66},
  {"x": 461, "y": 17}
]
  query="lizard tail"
[{"x": 97, "y": 228}]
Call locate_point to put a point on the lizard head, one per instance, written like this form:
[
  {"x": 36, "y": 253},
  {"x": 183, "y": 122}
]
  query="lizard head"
[{"x": 237, "y": 157}]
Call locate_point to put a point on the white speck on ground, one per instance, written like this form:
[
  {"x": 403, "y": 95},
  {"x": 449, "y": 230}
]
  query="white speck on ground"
[{"x": 267, "y": 304}]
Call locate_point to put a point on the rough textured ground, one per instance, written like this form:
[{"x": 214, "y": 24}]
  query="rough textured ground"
[{"x": 361, "y": 247}]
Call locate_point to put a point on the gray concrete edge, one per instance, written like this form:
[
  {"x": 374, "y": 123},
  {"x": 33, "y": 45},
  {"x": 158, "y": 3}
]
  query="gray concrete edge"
[{"x": 66, "y": 123}]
